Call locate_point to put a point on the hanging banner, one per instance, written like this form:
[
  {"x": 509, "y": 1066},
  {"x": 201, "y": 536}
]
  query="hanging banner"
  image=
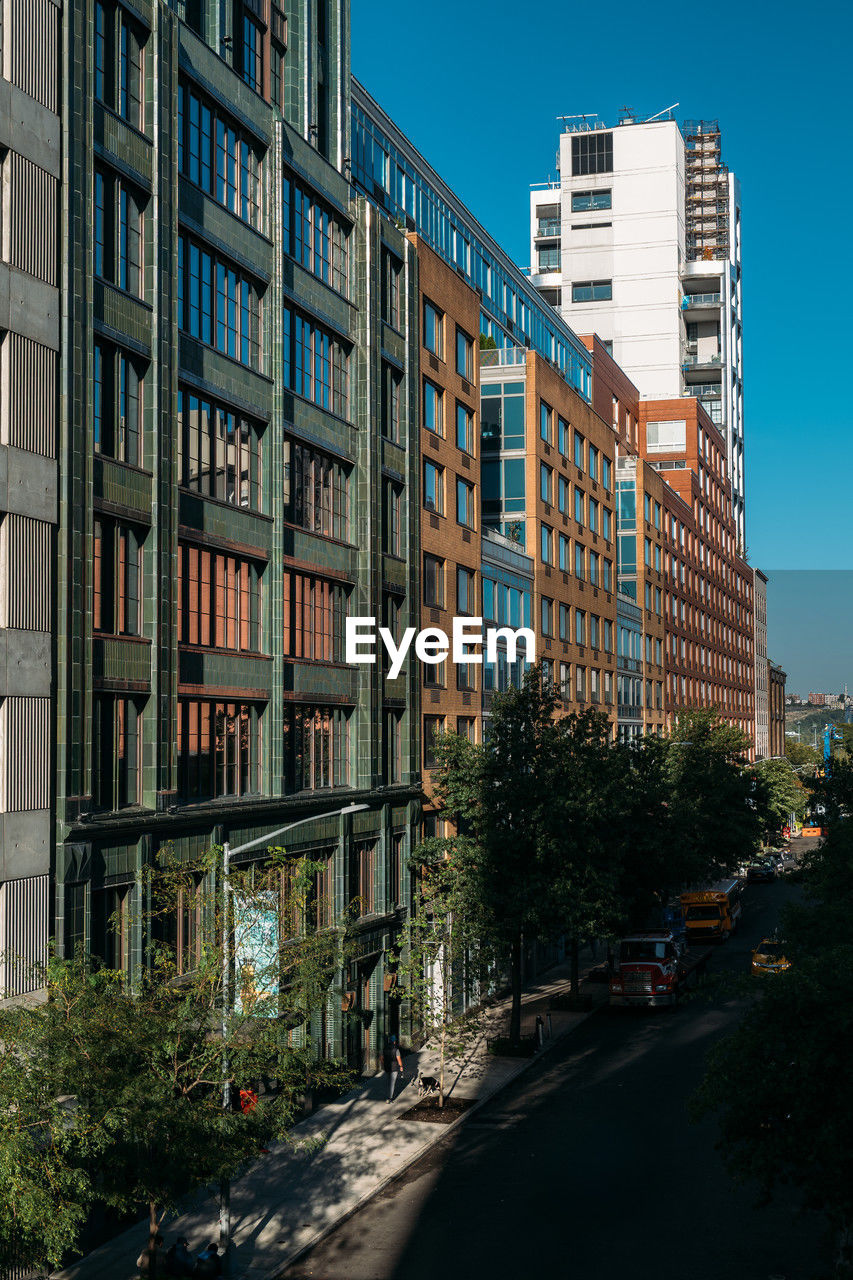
[{"x": 256, "y": 966}]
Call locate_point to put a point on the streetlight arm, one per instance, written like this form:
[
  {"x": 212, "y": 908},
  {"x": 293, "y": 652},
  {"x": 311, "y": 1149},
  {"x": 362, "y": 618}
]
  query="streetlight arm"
[{"x": 270, "y": 835}]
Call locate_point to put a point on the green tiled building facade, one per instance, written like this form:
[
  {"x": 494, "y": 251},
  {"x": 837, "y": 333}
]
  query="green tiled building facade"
[{"x": 227, "y": 449}]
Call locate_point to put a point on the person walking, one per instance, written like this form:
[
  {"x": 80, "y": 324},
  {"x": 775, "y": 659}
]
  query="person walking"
[{"x": 393, "y": 1065}]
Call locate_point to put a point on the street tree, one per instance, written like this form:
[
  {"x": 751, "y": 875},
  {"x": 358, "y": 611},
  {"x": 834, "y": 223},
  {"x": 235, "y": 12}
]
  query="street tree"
[
  {"x": 802, "y": 757},
  {"x": 783, "y": 793},
  {"x": 716, "y": 812},
  {"x": 439, "y": 958},
  {"x": 782, "y": 1084},
  {"x": 534, "y": 802},
  {"x": 150, "y": 1057}
]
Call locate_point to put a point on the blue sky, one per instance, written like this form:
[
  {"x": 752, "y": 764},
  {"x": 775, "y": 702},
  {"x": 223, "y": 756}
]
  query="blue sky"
[{"x": 478, "y": 89}]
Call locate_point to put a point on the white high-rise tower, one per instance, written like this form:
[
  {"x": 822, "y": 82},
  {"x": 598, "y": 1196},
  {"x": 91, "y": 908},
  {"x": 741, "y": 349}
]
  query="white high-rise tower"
[{"x": 639, "y": 242}]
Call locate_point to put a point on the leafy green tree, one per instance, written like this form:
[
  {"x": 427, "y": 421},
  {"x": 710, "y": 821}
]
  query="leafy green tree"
[
  {"x": 44, "y": 1157},
  {"x": 717, "y": 816},
  {"x": 538, "y": 807},
  {"x": 440, "y": 950},
  {"x": 783, "y": 793},
  {"x": 782, "y": 1084},
  {"x": 803, "y": 757},
  {"x": 147, "y": 1061}
]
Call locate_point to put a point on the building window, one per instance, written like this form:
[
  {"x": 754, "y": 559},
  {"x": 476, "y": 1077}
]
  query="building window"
[
  {"x": 578, "y": 450},
  {"x": 564, "y": 553},
  {"x": 545, "y": 421},
  {"x": 565, "y": 614},
  {"x": 251, "y": 54},
  {"x": 119, "y": 53},
  {"x": 546, "y": 476},
  {"x": 593, "y": 462},
  {"x": 118, "y": 231},
  {"x": 219, "y": 749},
  {"x": 466, "y": 727},
  {"x": 433, "y": 408},
  {"x": 316, "y": 363},
  {"x": 502, "y": 417},
  {"x": 392, "y": 269},
  {"x": 218, "y": 304},
  {"x": 592, "y": 291},
  {"x": 593, "y": 515},
  {"x": 464, "y": 429},
  {"x": 220, "y": 451},
  {"x": 392, "y": 522},
  {"x": 592, "y": 152},
  {"x": 594, "y": 630},
  {"x": 594, "y": 559},
  {"x": 433, "y": 729},
  {"x": 580, "y": 626},
  {"x": 547, "y": 545},
  {"x": 117, "y": 578},
  {"x": 608, "y": 636},
  {"x": 547, "y": 616},
  {"x": 464, "y": 355},
  {"x": 434, "y": 488},
  {"x": 393, "y": 750},
  {"x": 589, "y": 201},
  {"x": 579, "y": 564},
  {"x": 433, "y": 581},
  {"x": 220, "y": 158},
  {"x": 116, "y": 752},
  {"x": 315, "y": 612},
  {"x": 606, "y": 524},
  {"x": 316, "y": 237},
  {"x": 316, "y": 747},
  {"x": 566, "y": 680},
  {"x": 606, "y": 473},
  {"x": 579, "y": 497},
  {"x": 433, "y": 330},
  {"x": 563, "y": 494},
  {"x": 220, "y": 600},
  {"x": 580, "y": 684},
  {"x": 607, "y": 574},
  {"x": 465, "y": 503},
  {"x": 466, "y": 680},
  {"x": 390, "y": 407},
  {"x": 316, "y": 491},
  {"x": 466, "y": 601},
  {"x": 666, "y": 437},
  {"x": 549, "y": 258},
  {"x": 117, "y": 403}
]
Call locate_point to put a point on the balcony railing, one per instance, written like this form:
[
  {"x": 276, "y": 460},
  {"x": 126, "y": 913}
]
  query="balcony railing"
[
  {"x": 704, "y": 390},
  {"x": 498, "y": 356},
  {"x": 693, "y": 360},
  {"x": 548, "y": 227},
  {"x": 700, "y": 300}
]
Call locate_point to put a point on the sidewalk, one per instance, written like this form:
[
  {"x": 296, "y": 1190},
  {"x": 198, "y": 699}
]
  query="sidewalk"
[{"x": 342, "y": 1154}]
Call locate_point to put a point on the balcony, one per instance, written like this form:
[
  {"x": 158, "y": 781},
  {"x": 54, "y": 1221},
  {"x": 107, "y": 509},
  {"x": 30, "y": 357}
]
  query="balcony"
[
  {"x": 692, "y": 301},
  {"x": 548, "y": 229},
  {"x": 693, "y": 359},
  {"x": 501, "y": 356},
  {"x": 704, "y": 390}
]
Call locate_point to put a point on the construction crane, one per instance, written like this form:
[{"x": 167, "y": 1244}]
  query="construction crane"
[{"x": 830, "y": 735}]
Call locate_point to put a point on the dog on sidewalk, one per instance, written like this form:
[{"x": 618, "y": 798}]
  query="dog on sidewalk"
[{"x": 427, "y": 1085}]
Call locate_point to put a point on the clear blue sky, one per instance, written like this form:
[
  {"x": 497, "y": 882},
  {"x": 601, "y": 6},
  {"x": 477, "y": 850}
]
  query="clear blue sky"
[{"x": 478, "y": 88}]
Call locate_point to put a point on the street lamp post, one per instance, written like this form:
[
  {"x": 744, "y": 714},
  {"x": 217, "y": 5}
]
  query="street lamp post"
[{"x": 227, "y": 854}]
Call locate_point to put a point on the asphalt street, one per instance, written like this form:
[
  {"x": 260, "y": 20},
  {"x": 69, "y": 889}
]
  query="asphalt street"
[{"x": 588, "y": 1167}]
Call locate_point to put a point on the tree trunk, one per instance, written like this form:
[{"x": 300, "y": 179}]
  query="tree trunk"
[
  {"x": 515, "y": 987},
  {"x": 574, "y": 950},
  {"x": 441, "y": 1061},
  {"x": 152, "y": 1238}
]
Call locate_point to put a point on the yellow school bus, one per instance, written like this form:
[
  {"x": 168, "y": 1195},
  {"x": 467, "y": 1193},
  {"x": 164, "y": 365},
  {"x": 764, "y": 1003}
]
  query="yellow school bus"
[{"x": 713, "y": 912}]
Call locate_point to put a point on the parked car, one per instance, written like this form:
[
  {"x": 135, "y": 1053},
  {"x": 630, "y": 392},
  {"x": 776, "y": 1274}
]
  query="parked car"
[
  {"x": 760, "y": 871},
  {"x": 769, "y": 957}
]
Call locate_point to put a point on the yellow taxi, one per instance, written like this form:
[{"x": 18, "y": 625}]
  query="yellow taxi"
[{"x": 769, "y": 957}]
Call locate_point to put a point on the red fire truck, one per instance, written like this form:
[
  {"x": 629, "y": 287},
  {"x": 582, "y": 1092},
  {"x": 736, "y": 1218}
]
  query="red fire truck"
[{"x": 654, "y": 969}]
